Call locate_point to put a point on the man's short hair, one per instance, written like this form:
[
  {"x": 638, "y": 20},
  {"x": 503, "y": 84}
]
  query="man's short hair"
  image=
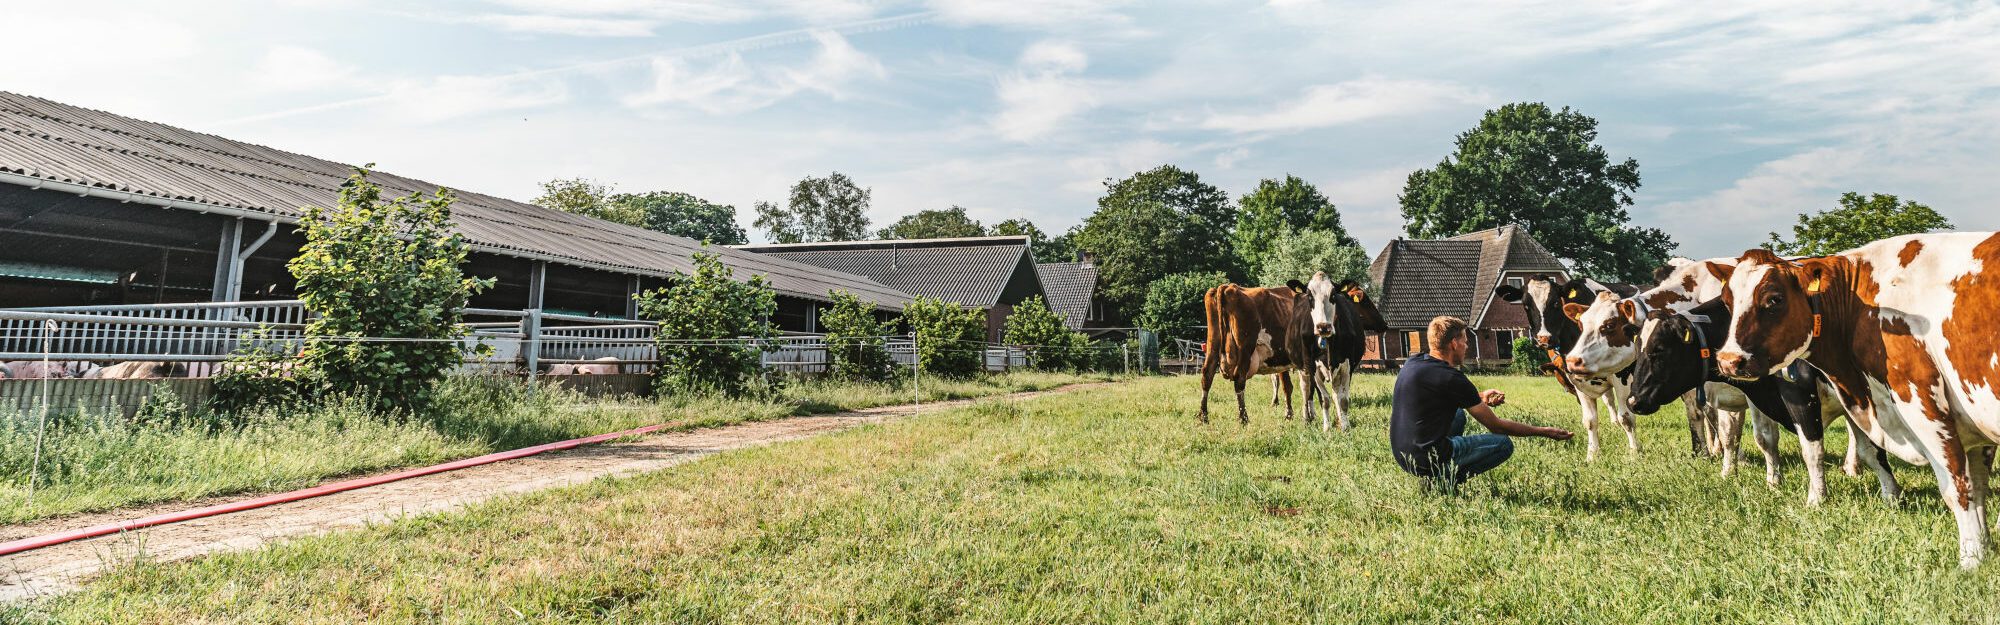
[{"x": 1445, "y": 329}]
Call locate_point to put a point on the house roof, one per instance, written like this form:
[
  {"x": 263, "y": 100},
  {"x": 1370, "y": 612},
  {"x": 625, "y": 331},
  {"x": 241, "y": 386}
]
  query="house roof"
[
  {"x": 49, "y": 143},
  {"x": 1070, "y": 287},
  {"x": 1420, "y": 280},
  {"x": 972, "y": 271}
]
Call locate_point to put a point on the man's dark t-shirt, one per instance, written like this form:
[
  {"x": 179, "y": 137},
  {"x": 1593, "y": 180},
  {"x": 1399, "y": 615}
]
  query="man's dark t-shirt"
[{"x": 1429, "y": 393}]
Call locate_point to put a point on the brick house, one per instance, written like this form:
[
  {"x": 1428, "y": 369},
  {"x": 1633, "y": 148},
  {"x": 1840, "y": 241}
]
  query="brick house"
[{"x": 1419, "y": 280}]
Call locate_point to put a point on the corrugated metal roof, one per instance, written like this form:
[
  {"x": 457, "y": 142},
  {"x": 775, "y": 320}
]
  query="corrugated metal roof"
[
  {"x": 1070, "y": 287},
  {"x": 970, "y": 271},
  {"x": 62, "y": 143}
]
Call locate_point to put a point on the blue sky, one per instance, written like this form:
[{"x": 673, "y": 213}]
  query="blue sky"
[{"x": 1740, "y": 116}]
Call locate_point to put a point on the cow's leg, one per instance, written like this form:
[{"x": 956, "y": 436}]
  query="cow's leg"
[
  {"x": 1343, "y": 388},
  {"x": 1955, "y": 474},
  {"x": 1242, "y": 412},
  {"x": 1982, "y": 470},
  {"x": 1589, "y": 422},
  {"x": 1812, "y": 448},
  {"x": 1729, "y": 436},
  {"x": 1701, "y": 425},
  {"x": 1615, "y": 399},
  {"x": 1878, "y": 461},
  {"x": 1767, "y": 444},
  {"x": 1277, "y": 385},
  {"x": 1286, "y": 379},
  {"x": 1852, "y": 464}
]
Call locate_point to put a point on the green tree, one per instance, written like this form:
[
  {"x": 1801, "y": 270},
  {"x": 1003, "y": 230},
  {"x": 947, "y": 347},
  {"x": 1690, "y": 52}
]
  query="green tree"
[
  {"x": 1297, "y": 255},
  {"x": 587, "y": 197},
  {"x": 1173, "y": 308},
  {"x": 1047, "y": 250},
  {"x": 855, "y": 347},
  {"x": 1541, "y": 169},
  {"x": 934, "y": 224},
  {"x": 682, "y": 214},
  {"x": 1050, "y": 344},
  {"x": 1155, "y": 223},
  {"x": 1858, "y": 221},
  {"x": 950, "y": 338},
  {"x": 383, "y": 269},
  {"x": 700, "y": 317},
  {"x": 832, "y": 208},
  {"x": 1275, "y": 208}
]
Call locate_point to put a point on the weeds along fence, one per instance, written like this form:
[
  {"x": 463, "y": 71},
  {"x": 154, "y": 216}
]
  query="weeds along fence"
[{"x": 115, "y": 357}]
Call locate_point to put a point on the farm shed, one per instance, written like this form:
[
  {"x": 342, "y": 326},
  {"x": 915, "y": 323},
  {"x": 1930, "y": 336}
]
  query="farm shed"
[
  {"x": 1072, "y": 290},
  {"x": 1416, "y": 281},
  {"x": 987, "y": 273},
  {"x": 97, "y": 208}
]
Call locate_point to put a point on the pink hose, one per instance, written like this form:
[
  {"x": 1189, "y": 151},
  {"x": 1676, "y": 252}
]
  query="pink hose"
[{"x": 38, "y": 542}]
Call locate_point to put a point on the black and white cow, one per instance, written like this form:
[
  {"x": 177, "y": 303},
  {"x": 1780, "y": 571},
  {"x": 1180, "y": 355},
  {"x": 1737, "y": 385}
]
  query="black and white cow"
[{"x": 1329, "y": 336}]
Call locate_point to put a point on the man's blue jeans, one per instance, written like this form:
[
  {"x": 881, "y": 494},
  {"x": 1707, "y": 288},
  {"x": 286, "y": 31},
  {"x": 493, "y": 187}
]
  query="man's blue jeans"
[{"x": 1473, "y": 455}]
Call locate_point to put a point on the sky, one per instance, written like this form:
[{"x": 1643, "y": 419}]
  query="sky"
[{"x": 1740, "y": 114}]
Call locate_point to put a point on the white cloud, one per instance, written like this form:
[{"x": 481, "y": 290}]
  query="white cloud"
[
  {"x": 1352, "y": 101},
  {"x": 572, "y": 26},
  {"x": 1043, "y": 91},
  {"x": 1229, "y": 159},
  {"x": 1042, "y": 14},
  {"x": 295, "y": 68},
  {"x": 447, "y": 97},
  {"x": 734, "y": 85}
]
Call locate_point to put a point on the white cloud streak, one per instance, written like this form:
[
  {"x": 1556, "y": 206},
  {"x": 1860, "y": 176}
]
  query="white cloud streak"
[{"x": 1352, "y": 101}]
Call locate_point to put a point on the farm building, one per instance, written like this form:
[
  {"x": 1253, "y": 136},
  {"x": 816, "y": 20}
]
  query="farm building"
[
  {"x": 1416, "y": 281},
  {"x": 98, "y": 208},
  {"x": 992, "y": 274},
  {"x": 1072, "y": 292}
]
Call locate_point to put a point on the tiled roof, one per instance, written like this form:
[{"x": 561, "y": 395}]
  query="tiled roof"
[
  {"x": 1070, "y": 287},
  {"x": 977, "y": 271},
  {"x": 1420, "y": 280},
  {"x": 48, "y": 141}
]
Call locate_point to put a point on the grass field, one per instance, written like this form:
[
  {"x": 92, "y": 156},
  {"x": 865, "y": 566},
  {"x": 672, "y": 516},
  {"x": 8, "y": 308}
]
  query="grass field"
[
  {"x": 1113, "y": 505},
  {"x": 93, "y": 463}
]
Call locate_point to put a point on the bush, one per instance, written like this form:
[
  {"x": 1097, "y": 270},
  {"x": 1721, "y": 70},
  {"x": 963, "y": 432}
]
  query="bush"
[
  {"x": 1173, "y": 304},
  {"x": 1528, "y": 358},
  {"x": 701, "y": 317},
  {"x": 259, "y": 374},
  {"x": 1051, "y": 346},
  {"x": 370, "y": 269},
  {"x": 854, "y": 344},
  {"x": 950, "y": 338}
]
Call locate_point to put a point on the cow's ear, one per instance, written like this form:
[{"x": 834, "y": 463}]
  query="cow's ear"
[
  {"x": 1629, "y": 310},
  {"x": 1296, "y": 285},
  {"x": 1574, "y": 310},
  {"x": 1815, "y": 275},
  {"x": 1720, "y": 271},
  {"x": 1508, "y": 293}
]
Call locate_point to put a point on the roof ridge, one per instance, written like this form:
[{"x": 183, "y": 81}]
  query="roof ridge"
[
  {"x": 179, "y": 162},
  {"x": 163, "y": 139}
]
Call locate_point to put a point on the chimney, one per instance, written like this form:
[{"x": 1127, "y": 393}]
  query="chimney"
[
  {"x": 895, "y": 256},
  {"x": 1086, "y": 258}
]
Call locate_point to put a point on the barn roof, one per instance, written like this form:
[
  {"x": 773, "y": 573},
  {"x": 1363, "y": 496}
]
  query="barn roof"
[
  {"x": 1419, "y": 280},
  {"x": 972, "y": 271},
  {"x": 50, "y": 143},
  {"x": 1070, "y": 287}
]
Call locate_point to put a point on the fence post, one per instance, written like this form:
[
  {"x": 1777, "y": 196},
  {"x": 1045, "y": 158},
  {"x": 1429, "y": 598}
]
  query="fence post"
[
  {"x": 531, "y": 343},
  {"x": 1125, "y": 356},
  {"x": 49, "y": 329},
  {"x": 917, "y": 367}
]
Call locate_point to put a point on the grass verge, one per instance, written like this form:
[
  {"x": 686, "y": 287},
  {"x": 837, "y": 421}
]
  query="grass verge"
[
  {"x": 1112, "y": 505},
  {"x": 91, "y": 462}
]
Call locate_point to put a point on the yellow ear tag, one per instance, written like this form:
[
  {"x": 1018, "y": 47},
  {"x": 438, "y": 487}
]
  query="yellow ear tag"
[
  {"x": 1572, "y": 292},
  {"x": 1687, "y": 335},
  {"x": 1813, "y": 289},
  {"x": 1356, "y": 296}
]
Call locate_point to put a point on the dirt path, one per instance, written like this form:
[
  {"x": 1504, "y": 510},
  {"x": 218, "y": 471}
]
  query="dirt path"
[{"x": 60, "y": 568}]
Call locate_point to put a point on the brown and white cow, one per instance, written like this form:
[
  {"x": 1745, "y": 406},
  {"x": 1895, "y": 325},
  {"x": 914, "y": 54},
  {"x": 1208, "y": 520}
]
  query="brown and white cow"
[
  {"x": 1904, "y": 329},
  {"x": 135, "y": 370},
  {"x": 1247, "y": 332},
  {"x": 602, "y": 366},
  {"x": 1546, "y": 301}
]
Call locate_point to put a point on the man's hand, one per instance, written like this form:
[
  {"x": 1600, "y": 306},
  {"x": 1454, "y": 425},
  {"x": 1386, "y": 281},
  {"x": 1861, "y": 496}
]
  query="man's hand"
[
  {"x": 1493, "y": 398},
  {"x": 1555, "y": 434}
]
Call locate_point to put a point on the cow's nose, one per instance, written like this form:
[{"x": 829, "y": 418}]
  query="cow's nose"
[
  {"x": 1732, "y": 363},
  {"x": 1542, "y": 340},
  {"x": 1323, "y": 329}
]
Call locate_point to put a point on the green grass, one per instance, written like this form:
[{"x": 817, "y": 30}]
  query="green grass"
[
  {"x": 92, "y": 463},
  {"x": 1113, "y": 505}
]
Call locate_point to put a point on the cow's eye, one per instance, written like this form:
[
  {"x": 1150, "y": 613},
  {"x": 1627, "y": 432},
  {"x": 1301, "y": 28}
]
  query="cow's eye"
[{"x": 1773, "y": 300}]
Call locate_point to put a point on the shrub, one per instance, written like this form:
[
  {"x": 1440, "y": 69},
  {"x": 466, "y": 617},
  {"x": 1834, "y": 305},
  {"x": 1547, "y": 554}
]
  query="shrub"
[
  {"x": 1528, "y": 358},
  {"x": 162, "y": 408},
  {"x": 854, "y": 343},
  {"x": 1050, "y": 345},
  {"x": 374, "y": 268},
  {"x": 950, "y": 338},
  {"x": 258, "y": 374},
  {"x": 1173, "y": 304},
  {"x": 701, "y": 317}
]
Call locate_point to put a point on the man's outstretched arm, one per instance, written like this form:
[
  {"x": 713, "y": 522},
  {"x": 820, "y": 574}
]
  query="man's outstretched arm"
[{"x": 1484, "y": 414}]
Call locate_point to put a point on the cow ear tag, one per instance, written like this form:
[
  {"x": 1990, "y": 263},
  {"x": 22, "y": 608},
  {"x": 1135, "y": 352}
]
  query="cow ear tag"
[
  {"x": 1687, "y": 336},
  {"x": 1356, "y": 296},
  {"x": 1814, "y": 288},
  {"x": 1572, "y": 292}
]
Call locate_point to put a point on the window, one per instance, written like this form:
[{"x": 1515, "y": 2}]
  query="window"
[
  {"x": 1413, "y": 343},
  {"x": 1516, "y": 282},
  {"x": 1506, "y": 340}
]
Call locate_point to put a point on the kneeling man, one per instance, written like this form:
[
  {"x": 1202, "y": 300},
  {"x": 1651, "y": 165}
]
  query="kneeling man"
[{"x": 1432, "y": 398}]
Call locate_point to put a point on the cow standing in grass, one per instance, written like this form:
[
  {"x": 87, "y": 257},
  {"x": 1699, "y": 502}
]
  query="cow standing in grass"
[
  {"x": 1545, "y": 299},
  {"x": 1329, "y": 334},
  {"x": 1904, "y": 328},
  {"x": 1247, "y": 332}
]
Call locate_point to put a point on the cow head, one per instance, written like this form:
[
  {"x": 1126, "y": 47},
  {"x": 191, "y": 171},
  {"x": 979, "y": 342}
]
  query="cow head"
[
  {"x": 1670, "y": 359},
  {"x": 1364, "y": 307},
  {"x": 1607, "y": 328},
  {"x": 1318, "y": 297},
  {"x": 1544, "y": 297},
  {"x": 1771, "y": 306}
]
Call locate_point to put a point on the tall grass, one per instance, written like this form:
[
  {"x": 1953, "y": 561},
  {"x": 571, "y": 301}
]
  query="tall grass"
[
  {"x": 1114, "y": 506},
  {"x": 96, "y": 462}
]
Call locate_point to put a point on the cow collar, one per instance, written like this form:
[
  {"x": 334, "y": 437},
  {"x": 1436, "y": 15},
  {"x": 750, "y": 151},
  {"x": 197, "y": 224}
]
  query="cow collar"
[
  {"x": 1818, "y": 314},
  {"x": 1708, "y": 368}
]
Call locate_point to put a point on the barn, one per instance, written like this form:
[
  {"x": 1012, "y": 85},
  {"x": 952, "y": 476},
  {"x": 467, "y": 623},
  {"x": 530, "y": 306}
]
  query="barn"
[
  {"x": 992, "y": 274},
  {"x": 1417, "y": 280},
  {"x": 98, "y": 208}
]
